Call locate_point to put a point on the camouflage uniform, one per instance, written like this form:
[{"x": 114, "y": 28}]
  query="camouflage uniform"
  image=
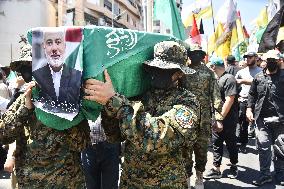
[
  {"x": 204, "y": 85},
  {"x": 45, "y": 157},
  {"x": 155, "y": 129},
  {"x": 153, "y": 144}
]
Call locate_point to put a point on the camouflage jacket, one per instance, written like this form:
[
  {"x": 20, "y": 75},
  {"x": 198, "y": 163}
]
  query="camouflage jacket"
[
  {"x": 45, "y": 157},
  {"x": 203, "y": 85},
  {"x": 155, "y": 132}
]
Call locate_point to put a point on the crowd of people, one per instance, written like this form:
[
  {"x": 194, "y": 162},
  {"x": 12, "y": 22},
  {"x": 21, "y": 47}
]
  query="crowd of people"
[{"x": 189, "y": 104}]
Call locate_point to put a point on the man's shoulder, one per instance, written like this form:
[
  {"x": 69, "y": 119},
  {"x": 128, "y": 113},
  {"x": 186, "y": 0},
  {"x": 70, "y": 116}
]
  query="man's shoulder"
[
  {"x": 72, "y": 71},
  {"x": 204, "y": 71},
  {"x": 244, "y": 70},
  {"x": 258, "y": 69},
  {"x": 229, "y": 76},
  {"x": 259, "y": 75},
  {"x": 3, "y": 85},
  {"x": 42, "y": 69}
]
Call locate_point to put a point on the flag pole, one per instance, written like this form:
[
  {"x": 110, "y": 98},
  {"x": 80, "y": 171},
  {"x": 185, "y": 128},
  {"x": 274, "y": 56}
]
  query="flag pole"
[{"x": 212, "y": 16}]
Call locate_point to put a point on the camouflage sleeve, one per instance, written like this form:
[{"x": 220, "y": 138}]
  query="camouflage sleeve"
[
  {"x": 216, "y": 99},
  {"x": 14, "y": 120},
  {"x": 153, "y": 134},
  {"x": 111, "y": 128}
]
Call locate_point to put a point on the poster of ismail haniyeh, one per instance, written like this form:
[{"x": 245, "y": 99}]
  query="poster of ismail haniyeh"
[{"x": 57, "y": 69}]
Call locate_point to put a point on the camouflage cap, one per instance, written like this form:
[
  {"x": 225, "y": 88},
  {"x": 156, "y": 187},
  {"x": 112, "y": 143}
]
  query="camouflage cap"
[
  {"x": 25, "y": 58},
  {"x": 193, "y": 47},
  {"x": 170, "y": 55}
]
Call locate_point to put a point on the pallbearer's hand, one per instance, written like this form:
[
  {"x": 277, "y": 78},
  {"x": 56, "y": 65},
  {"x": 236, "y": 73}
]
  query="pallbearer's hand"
[
  {"x": 28, "y": 94},
  {"x": 99, "y": 91}
]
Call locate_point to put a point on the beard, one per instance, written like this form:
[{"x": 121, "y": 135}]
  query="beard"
[
  {"x": 252, "y": 63},
  {"x": 55, "y": 62}
]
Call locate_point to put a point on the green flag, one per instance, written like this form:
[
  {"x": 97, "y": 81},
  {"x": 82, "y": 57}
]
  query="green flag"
[{"x": 167, "y": 12}]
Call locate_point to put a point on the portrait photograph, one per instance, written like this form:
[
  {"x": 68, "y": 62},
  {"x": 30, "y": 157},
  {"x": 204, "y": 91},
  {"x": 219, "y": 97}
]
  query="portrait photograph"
[{"x": 57, "y": 71}]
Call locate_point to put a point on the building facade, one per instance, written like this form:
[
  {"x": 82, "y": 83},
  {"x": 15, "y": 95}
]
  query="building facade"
[
  {"x": 16, "y": 18},
  {"x": 112, "y": 13}
]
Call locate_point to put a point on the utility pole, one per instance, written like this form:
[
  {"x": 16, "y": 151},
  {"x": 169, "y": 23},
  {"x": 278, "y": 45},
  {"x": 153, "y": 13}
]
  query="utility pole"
[
  {"x": 149, "y": 15},
  {"x": 144, "y": 17}
]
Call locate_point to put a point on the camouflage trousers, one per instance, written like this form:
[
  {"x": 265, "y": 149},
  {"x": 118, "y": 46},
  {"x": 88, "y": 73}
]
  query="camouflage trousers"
[{"x": 200, "y": 147}]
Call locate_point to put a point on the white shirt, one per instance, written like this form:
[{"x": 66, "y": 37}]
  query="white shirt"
[
  {"x": 3, "y": 104},
  {"x": 247, "y": 73},
  {"x": 56, "y": 77},
  {"x": 4, "y": 90}
]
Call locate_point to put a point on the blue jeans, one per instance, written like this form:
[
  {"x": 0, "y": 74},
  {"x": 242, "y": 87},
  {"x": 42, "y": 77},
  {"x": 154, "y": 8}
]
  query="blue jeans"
[
  {"x": 101, "y": 165},
  {"x": 267, "y": 134}
]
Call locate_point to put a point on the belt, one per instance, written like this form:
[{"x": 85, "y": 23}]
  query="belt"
[{"x": 94, "y": 145}]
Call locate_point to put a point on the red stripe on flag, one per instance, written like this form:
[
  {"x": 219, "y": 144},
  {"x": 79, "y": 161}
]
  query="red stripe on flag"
[
  {"x": 73, "y": 35},
  {"x": 194, "y": 33}
]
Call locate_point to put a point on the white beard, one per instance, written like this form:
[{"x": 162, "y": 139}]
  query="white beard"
[{"x": 55, "y": 62}]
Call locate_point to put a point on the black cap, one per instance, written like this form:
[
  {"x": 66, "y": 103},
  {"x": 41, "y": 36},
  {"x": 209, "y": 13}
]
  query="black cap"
[
  {"x": 250, "y": 54},
  {"x": 231, "y": 59}
]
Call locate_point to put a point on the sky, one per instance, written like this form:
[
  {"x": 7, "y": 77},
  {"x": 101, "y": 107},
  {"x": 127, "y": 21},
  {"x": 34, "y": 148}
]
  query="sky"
[{"x": 249, "y": 10}]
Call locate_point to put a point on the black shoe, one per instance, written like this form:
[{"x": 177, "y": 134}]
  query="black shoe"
[
  {"x": 243, "y": 149},
  {"x": 262, "y": 180},
  {"x": 233, "y": 172},
  {"x": 213, "y": 174}
]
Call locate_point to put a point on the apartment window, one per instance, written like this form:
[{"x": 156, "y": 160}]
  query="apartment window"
[
  {"x": 108, "y": 5},
  {"x": 156, "y": 23},
  {"x": 127, "y": 17},
  {"x": 90, "y": 20},
  {"x": 116, "y": 9},
  {"x": 132, "y": 2},
  {"x": 70, "y": 14}
]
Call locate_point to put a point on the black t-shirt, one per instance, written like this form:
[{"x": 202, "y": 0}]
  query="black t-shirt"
[
  {"x": 228, "y": 87},
  {"x": 232, "y": 69},
  {"x": 273, "y": 104}
]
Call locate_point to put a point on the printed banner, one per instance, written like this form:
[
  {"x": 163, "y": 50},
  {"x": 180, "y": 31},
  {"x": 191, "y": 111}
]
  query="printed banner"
[{"x": 57, "y": 69}]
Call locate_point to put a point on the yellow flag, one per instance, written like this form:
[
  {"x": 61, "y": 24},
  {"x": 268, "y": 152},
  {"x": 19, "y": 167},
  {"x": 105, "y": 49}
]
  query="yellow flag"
[
  {"x": 212, "y": 46},
  {"x": 222, "y": 42},
  {"x": 234, "y": 38},
  {"x": 240, "y": 31},
  {"x": 200, "y": 9},
  {"x": 262, "y": 19}
]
